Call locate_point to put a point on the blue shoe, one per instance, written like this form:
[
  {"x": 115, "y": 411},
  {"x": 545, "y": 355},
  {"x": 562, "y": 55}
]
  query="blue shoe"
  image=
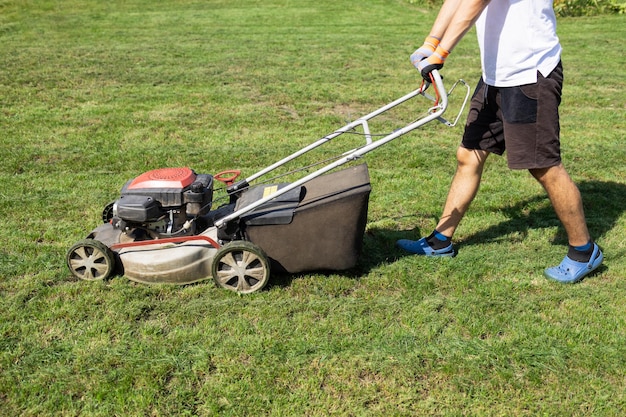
[
  {"x": 570, "y": 271},
  {"x": 421, "y": 247}
]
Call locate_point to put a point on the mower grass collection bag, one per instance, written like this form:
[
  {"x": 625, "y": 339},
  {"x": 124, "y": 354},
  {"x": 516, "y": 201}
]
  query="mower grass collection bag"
[{"x": 318, "y": 226}]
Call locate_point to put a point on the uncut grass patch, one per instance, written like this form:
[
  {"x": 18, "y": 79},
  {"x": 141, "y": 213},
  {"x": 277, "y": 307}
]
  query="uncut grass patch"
[{"x": 96, "y": 93}]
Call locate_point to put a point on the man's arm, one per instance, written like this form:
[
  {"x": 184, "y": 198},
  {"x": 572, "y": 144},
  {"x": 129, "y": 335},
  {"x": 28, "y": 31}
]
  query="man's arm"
[
  {"x": 446, "y": 13},
  {"x": 455, "y": 18}
]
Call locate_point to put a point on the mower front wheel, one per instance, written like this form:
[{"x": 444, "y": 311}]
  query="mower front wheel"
[
  {"x": 90, "y": 260},
  {"x": 242, "y": 267}
]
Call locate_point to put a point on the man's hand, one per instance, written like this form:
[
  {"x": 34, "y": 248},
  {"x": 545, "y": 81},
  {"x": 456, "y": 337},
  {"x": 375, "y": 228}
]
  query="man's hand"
[
  {"x": 433, "y": 62},
  {"x": 426, "y": 50}
]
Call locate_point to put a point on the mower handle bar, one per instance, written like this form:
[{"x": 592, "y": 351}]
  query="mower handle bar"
[{"x": 434, "y": 113}]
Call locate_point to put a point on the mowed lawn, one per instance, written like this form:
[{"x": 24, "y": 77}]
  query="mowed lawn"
[{"x": 93, "y": 94}]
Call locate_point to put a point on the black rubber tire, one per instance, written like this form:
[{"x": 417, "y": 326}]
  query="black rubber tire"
[
  {"x": 241, "y": 266},
  {"x": 107, "y": 212}
]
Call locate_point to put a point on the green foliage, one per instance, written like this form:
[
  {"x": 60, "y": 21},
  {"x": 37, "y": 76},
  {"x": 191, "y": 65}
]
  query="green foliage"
[
  {"x": 588, "y": 7},
  {"x": 94, "y": 93},
  {"x": 562, "y": 7}
]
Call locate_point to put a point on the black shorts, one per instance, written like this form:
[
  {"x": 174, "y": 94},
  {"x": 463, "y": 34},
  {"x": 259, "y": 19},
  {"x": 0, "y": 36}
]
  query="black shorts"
[{"x": 522, "y": 120}]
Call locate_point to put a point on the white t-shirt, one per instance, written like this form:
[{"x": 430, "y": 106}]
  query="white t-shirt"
[{"x": 517, "y": 38}]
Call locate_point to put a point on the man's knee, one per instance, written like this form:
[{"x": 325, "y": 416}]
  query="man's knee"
[
  {"x": 549, "y": 174},
  {"x": 473, "y": 159}
]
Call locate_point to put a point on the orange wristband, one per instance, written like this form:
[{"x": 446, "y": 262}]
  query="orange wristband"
[{"x": 440, "y": 54}]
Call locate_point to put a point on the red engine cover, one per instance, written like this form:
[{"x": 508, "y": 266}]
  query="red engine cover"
[{"x": 164, "y": 178}]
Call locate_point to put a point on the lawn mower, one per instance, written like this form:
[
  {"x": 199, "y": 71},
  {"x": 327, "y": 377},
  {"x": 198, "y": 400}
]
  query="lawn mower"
[{"x": 163, "y": 228}]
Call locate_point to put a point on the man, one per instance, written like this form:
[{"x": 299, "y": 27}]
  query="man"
[{"x": 514, "y": 107}]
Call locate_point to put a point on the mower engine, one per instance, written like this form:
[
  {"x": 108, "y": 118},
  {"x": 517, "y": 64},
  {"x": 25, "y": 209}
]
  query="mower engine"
[{"x": 163, "y": 202}]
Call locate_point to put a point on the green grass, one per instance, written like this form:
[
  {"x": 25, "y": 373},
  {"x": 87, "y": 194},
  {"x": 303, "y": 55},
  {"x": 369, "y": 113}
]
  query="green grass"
[{"x": 94, "y": 93}]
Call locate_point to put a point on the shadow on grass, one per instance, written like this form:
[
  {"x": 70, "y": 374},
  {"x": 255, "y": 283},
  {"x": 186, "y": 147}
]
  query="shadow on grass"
[{"x": 603, "y": 203}]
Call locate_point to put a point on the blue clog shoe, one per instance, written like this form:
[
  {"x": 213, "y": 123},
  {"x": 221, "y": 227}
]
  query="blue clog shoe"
[
  {"x": 421, "y": 247},
  {"x": 570, "y": 271}
]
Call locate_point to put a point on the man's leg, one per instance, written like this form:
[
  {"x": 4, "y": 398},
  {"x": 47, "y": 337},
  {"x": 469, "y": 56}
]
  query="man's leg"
[
  {"x": 583, "y": 256},
  {"x": 465, "y": 184},
  {"x": 566, "y": 201},
  {"x": 463, "y": 189}
]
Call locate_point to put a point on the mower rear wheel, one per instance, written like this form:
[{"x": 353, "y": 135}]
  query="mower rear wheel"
[
  {"x": 107, "y": 212},
  {"x": 90, "y": 260},
  {"x": 241, "y": 266}
]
